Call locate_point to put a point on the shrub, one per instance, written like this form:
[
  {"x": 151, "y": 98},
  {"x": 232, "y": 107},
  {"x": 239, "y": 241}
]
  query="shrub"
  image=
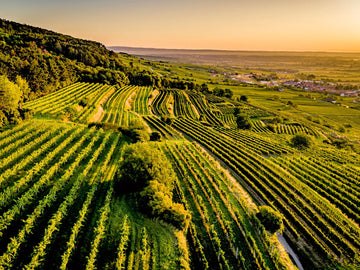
[
  {"x": 271, "y": 127},
  {"x": 139, "y": 135},
  {"x": 243, "y": 121},
  {"x": 146, "y": 172},
  {"x": 137, "y": 131},
  {"x": 340, "y": 143},
  {"x": 342, "y": 129},
  {"x": 276, "y": 120},
  {"x": 301, "y": 141},
  {"x": 155, "y": 136},
  {"x": 104, "y": 126},
  {"x": 271, "y": 219},
  {"x": 137, "y": 123},
  {"x": 142, "y": 163},
  {"x": 236, "y": 111},
  {"x": 291, "y": 104},
  {"x": 168, "y": 120},
  {"x": 244, "y": 98},
  {"x": 156, "y": 198},
  {"x": 85, "y": 101}
]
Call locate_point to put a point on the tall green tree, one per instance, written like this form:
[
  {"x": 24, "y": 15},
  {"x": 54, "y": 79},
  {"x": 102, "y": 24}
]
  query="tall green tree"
[{"x": 10, "y": 94}]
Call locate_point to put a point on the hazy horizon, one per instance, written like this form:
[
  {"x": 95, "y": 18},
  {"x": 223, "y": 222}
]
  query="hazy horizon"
[
  {"x": 227, "y": 50},
  {"x": 231, "y": 25}
]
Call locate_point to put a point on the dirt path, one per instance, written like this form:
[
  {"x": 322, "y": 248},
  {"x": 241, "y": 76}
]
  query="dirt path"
[
  {"x": 290, "y": 251},
  {"x": 97, "y": 116},
  {"x": 130, "y": 100}
]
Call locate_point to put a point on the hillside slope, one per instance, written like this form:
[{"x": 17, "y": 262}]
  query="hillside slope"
[{"x": 49, "y": 60}]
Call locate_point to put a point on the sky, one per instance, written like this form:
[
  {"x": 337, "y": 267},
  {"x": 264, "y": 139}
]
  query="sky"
[{"x": 279, "y": 25}]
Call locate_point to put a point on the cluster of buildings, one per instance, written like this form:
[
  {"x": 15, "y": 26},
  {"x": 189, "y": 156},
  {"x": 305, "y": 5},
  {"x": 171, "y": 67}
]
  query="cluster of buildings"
[
  {"x": 306, "y": 85},
  {"x": 321, "y": 87}
]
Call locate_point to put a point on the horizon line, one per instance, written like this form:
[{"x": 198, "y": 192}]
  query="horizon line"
[{"x": 231, "y": 50}]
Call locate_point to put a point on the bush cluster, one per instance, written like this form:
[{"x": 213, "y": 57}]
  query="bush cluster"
[{"x": 147, "y": 173}]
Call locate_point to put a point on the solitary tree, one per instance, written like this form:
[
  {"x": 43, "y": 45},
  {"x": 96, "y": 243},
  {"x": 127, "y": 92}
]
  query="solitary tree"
[
  {"x": 271, "y": 219},
  {"x": 243, "y": 121},
  {"x": 301, "y": 141},
  {"x": 10, "y": 94},
  {"x": 244, "y": 98},
  {"x": 236, "y": 111},
  {"x": 155, "y": 136},
  {"x": 141, "y": 164}
]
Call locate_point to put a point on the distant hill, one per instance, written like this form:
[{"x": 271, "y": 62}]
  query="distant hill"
[{"x": 290, "y": 61}]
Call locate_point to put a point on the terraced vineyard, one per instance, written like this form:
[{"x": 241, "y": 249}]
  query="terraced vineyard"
[
  {"x": 59, "y": 208},
  {"x": 83, "y": 98},
  {"x": 116, "y": 109},
  {"x": 306, "y": 212},
  {"x": 225, "y": 219}
]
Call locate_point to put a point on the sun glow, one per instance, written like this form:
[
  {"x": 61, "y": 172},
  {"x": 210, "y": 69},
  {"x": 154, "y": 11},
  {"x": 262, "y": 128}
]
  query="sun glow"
[{"x": 323, "y": 25}]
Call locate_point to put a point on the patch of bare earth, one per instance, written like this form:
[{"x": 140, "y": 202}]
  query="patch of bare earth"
[
  {"x": 130, "y": 101},
  {"x": 97, "y": 116},
  {"x": 170, "y": 105}
]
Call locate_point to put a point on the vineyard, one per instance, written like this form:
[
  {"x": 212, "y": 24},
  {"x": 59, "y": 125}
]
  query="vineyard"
[{"x": 59, "y": 209}]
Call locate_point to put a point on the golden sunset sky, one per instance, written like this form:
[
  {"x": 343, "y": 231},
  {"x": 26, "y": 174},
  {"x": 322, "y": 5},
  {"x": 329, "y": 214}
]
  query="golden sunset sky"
[{"x": 300, "y": 25}]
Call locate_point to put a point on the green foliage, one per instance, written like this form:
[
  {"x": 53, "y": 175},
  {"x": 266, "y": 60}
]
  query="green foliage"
[
  {"x": 271, "y": 127},
  {"x": 292, "y": 104},
  {"x": 10, "y": 94},
  {"x": 301, "y": 141},
  {"x": 276, "y": 120},
  {"x": 271, "y": 219},
  {"x": 136, "y": 131},
  {"x": 104, "y": 126},
  {"x": 142, "y": 163},
  {"x": 342, "y": 129},
  {"x": 69, "y": 113},
  {"x": 85, "y": 101},
  {"x": 155, "y": 136},
  {"x": 243, "y": 121},
  {"x": 168, "y": 120},
  {"x": 244, "y": 98},
  {"x": 236, "y": 111},
  {"x": 220, "y": 92},
  {"x": 146, "y": 171},
  {"x": 140, "y": 135},
  {"x": 340, "y": 143},
  {"x": 23, "y": 86},
  {"x": 157, "y": 199},
  {"x": 137, "y": 124}
]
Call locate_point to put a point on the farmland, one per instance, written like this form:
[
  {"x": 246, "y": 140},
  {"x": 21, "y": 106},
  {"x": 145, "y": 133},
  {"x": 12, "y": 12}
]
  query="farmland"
[
  {"x": 60, "y": 208},
  {"x": 58, "y": 199}
]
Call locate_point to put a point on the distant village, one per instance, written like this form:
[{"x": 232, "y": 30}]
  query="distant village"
[{"x": 307, "y": 85}]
